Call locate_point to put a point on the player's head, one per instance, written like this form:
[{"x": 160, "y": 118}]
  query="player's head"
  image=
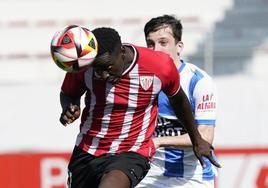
[
  {"x": 164, "y": 33},
  {"x": 109, "y": 63}
]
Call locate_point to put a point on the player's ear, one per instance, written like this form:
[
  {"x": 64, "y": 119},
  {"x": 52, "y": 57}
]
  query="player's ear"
[
  {"x": 123, "y": 52},
  {"x": 179, "y": 47}
]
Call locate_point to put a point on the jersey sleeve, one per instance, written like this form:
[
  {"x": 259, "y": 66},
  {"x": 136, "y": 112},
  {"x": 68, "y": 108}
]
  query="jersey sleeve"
[
  {"x": 73, "y": 84},
  {"x": 205, "y": 96},
  {"x": 171, "y": 79}
]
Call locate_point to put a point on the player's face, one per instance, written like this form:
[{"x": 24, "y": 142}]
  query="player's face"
[
  {"x": 108, "y": 67},
  {"x": 163, "y": 40}
]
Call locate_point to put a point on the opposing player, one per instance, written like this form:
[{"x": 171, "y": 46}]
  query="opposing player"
[
  {"x": 121, "y": 90},
  {"x": 178, "y": 166}
]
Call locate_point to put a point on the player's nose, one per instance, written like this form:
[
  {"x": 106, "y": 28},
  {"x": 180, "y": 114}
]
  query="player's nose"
[{"x": 158, "y": 47}]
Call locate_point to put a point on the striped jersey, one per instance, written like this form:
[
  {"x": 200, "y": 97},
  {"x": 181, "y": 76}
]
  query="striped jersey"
[
  {"x": 122, "y": 117},
  {"x": 201, "y": 92}
]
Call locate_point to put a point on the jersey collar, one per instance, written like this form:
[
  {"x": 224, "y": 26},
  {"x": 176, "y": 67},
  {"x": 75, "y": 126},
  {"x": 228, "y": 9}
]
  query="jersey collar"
[{"x": 182, "y": 66}]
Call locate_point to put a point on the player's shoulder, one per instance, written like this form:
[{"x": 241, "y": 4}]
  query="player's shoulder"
[
  {"x": 197, "y": 78},
  {"x": 195, "y": 71}
]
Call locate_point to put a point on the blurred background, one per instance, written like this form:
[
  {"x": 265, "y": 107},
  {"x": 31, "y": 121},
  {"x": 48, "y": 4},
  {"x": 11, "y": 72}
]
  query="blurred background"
[{"x": 227, "y": 38}]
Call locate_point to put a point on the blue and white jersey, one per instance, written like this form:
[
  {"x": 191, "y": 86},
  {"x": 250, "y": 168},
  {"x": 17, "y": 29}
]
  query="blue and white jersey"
[{"x": 201, "y": 92}]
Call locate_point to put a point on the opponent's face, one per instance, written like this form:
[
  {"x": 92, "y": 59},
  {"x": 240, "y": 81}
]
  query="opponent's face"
[
  {"x": 108, "y": 67},
  {"x": 164, "y": 41}
]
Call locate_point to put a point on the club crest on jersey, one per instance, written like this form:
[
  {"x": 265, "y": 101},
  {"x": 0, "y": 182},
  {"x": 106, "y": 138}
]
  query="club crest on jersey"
[{"x": 146, "y": 82}]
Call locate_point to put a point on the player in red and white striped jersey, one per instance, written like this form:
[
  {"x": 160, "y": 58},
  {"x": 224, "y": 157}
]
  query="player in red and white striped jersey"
[{"x": 120, "y": 114}]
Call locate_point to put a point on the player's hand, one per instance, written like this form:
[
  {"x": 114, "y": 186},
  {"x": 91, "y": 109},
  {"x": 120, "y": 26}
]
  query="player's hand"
[
  {"x": 204, "y": 149},
  {"x": 70, "y": 114}
]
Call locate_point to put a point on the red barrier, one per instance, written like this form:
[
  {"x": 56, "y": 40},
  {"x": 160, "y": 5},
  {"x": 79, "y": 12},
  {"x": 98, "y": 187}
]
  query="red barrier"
[
  {"x": 242, "y": 167},
  {"x": 33, "y": 170}
]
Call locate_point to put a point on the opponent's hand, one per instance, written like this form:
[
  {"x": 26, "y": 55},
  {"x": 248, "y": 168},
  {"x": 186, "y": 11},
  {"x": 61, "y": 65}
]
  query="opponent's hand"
[
  {"x": 70, "y": 114},
  {"x": 204, "y": 149}
]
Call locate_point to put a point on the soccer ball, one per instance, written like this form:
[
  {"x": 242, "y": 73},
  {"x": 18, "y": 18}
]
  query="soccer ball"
[{"x": 73, "y": 48}]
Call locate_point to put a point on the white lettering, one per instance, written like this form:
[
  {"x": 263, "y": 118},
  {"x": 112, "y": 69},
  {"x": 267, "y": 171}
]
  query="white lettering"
[{"x": 50, "y": 165}]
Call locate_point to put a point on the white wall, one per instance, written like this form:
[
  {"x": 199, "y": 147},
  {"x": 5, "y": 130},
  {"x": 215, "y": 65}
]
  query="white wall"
[{"x": 243, "y": 116}]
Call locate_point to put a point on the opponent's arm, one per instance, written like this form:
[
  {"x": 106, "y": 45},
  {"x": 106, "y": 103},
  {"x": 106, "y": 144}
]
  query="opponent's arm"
[
  {"x": 181, "y": 141},
  {"x": 182, "y": 109}
]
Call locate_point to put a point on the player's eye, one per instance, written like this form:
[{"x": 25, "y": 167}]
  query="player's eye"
[
  {"x": 150, "y": 46},
  {"x": 109, "y": 69},
  {"x": 163, "y": 43}
]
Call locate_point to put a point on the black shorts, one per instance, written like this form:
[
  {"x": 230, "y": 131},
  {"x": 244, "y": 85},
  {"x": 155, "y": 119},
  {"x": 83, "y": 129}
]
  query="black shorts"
[{"x": 86, "y": 170}]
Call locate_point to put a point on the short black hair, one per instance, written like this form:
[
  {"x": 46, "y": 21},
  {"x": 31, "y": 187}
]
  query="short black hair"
[
  {"x": 166, "y": 20},
  {"x": 108, "y": 39}
]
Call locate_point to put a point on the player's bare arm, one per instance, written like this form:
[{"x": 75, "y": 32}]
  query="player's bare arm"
[
  {"x": 183, "y": 141},
  {"x": 70, "y": 109},
  {"x": 200, "y": 146},
  {"x": 207, "y": 132}
]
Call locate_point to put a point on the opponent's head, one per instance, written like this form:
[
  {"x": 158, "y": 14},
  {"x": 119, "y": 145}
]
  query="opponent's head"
[
  {"x": 164, "y": 33},
  {"x": 108, "y": 65}
]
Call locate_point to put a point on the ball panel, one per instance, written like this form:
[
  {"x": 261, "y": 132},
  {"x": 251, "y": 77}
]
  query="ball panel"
[
  {"x": 89, "y": 46},
  {"x": 63, "y": 58},
  {"x": 90, "y": 55},
  {"x": 84, "y": 61},
  {"x": 69, "y": 53},
  {"x": 66, "y": 40},
  {"x": 66, "y": 66}
]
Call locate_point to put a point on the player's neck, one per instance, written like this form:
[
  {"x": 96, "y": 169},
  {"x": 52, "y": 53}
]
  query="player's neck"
[{"x": 178, "y": 62}]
